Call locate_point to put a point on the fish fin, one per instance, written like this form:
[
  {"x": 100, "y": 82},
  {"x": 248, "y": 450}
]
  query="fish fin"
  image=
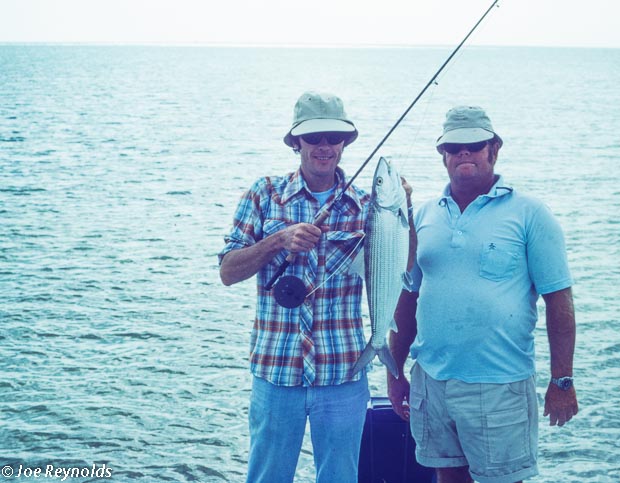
[
  {"x": 404, "y": 217},
  {"x": 407, "y": 280},
  {"x": 386, "y": 357},
  {"x": 365, "y": 358}
]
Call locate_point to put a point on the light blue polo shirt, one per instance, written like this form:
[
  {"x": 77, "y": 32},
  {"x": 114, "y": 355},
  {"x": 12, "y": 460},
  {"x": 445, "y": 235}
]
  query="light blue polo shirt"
[{"x": 479, "y": 274}]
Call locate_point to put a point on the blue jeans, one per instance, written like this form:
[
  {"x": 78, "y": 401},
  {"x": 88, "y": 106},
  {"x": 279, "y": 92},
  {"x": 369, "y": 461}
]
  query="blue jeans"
[{"x": 278, "y": 422}]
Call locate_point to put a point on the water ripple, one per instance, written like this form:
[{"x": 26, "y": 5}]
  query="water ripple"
[{"x": 120, "y": 346}]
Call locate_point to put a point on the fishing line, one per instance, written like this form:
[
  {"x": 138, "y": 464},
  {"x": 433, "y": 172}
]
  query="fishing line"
[
  {"x": 436, "y": 83},
  {"x": 324, "y": 212},
  {"x": 415, "y": 137}
]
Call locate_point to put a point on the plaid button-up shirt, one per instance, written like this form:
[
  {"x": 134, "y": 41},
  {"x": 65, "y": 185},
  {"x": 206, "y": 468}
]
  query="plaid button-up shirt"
[{"x": 318, "y": 342}]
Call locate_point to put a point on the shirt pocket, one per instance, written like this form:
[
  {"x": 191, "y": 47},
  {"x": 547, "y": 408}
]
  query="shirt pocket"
[
  {"x": 271, "y": 226},
  {"x": 342, "y": 248},
  {"x": 497, "y": 262}
]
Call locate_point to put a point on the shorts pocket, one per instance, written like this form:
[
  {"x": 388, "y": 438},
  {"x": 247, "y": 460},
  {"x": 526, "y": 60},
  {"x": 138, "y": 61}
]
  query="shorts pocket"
[
  {"x": 507, "y": 436},
  {"x": 518, "y": 388},
  {"x": 418, "y": 414},
  {"x": 417, "y": 419}
]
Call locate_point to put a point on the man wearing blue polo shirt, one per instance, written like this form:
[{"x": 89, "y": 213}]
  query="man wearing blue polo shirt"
[{"x": 485, "y": 254}]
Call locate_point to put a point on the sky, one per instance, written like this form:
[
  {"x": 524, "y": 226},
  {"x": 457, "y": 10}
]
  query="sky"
[{"x": 566, "y": 23}]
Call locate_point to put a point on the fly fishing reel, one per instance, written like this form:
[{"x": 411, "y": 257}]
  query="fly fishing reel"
[{"x": 289, "y": 292}]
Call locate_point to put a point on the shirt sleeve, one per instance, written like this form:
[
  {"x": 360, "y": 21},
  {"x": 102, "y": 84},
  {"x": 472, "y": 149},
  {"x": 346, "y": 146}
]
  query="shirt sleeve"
[
  {"x": 247, "y": 226},
  {"x": 546, "y": 253}
]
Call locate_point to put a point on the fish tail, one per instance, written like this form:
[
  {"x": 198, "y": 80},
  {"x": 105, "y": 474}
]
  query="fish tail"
[
  {"x": 386, "y": 357},
  {"x": 367, "y": 355}
]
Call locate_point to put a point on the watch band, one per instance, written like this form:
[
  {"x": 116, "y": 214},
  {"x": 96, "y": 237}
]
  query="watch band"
[
  {"x": 564, "y": 383},
  {"x": 410, "y": 211}
]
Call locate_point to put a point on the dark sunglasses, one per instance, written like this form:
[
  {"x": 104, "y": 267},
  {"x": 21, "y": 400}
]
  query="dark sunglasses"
[
  {"x": 453, "y": 148},
  {"x": 332, "y": 138}
]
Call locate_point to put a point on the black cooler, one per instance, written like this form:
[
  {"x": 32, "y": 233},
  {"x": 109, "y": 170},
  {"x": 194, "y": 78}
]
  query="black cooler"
[{"x": 387, "y": 453}]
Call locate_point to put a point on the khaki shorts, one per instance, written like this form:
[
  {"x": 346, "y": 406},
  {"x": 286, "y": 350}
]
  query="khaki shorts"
[{"x": 492, "y": 428}]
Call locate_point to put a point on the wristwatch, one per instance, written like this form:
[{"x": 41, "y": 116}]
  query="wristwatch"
[{"x": 564, "y": 383}]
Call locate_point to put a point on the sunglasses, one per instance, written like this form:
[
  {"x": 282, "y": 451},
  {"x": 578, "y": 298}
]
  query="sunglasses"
[
  {"x": 332, "y": 138},
  {"x": 453, "y": 148}
]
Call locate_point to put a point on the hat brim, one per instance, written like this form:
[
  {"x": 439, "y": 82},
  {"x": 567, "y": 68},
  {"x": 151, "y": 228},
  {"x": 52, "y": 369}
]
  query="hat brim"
[
  {"x": 465, "y": 136},
  {"x": 321, "y": 125}
]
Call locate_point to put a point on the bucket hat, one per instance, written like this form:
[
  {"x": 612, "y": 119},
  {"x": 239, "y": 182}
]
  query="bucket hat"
[
  {"x": 465, "y": 125},
  {"x": 319, "y": 112}
]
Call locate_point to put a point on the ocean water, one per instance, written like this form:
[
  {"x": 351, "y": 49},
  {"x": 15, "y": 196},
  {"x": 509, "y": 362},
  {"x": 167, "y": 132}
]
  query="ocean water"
[{"x": 120, "y": 168}]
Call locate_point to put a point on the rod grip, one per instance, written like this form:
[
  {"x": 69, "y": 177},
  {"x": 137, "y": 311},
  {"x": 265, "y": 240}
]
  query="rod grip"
[
  {"x": 279, "y": 272},
  {"x": 321, "y": 217}
]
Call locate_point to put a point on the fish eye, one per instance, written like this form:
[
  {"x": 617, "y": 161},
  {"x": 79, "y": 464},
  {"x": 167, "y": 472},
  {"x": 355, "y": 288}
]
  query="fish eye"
[{"x": 379, "y": 180}]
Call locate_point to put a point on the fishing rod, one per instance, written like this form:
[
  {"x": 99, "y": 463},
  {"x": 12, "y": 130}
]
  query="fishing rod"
[{"x": 322, "y": 215}]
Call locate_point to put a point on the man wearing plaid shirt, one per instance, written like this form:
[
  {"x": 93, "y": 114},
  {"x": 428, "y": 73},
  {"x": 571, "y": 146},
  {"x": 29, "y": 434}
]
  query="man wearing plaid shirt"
[{"x": 301, "y": 357}]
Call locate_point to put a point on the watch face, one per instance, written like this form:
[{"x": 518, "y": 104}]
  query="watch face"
[{"x": 565, "y": 383}]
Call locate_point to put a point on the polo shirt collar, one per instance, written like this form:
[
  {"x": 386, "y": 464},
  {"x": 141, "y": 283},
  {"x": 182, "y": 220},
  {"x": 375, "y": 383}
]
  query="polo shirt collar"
[{"x": 500, "y": 188}]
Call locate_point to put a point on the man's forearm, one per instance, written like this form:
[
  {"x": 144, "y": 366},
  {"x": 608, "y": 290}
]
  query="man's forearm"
[
  {"x": 401, "y": 341},
  {"x": 560, "y": 316},
  {"x": 241, "y": 264}
]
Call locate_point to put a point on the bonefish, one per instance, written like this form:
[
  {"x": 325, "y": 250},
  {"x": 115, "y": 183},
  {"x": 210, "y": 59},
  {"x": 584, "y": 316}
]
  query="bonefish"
[{"x": 386, "y": 250}]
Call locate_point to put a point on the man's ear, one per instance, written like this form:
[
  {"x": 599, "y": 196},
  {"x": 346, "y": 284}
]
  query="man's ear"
[{"x": 495, "y": 151}]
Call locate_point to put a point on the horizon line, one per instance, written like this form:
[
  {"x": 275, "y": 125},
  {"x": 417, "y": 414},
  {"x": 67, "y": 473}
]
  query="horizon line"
[{"x": 283, "y": 45}]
